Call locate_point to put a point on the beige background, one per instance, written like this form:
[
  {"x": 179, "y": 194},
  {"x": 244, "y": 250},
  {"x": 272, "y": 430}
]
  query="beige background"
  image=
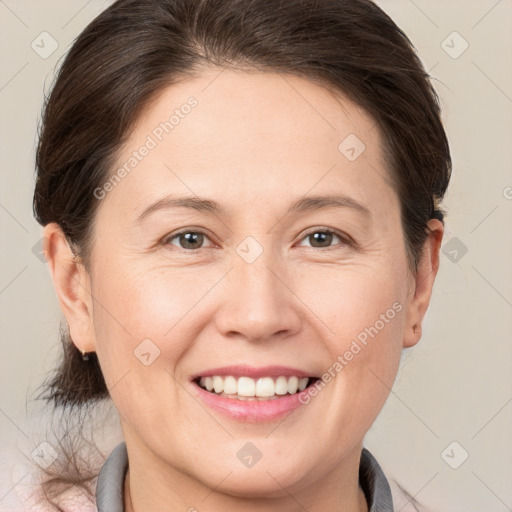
[{"x": 455, "y": 386}]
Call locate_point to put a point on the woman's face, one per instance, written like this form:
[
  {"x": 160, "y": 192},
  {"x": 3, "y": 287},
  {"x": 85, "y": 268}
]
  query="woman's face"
[{"x": 255, "y": 283}]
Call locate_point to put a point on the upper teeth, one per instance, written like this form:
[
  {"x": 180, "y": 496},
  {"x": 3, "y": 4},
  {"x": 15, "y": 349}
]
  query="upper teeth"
[{"x": 247, "y": 386}]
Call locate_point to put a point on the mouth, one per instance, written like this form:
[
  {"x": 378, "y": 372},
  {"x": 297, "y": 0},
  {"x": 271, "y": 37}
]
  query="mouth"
[
  {"x": 254, "y": 395},
  {"x": 246, "y": 388}
]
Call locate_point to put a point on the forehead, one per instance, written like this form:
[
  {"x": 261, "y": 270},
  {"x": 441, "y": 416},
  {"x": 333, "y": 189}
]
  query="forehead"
[{"x": 237, "y": 135}]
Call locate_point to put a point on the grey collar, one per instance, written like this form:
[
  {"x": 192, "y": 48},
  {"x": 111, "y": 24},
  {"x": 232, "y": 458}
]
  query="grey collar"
[
  {"x": 110, "y": 483},
  {"x": 375, "y": 484}
]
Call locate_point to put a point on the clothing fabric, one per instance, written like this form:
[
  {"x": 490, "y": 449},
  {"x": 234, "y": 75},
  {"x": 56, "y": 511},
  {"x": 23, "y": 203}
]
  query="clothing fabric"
[{"x": 110, "y": 483}]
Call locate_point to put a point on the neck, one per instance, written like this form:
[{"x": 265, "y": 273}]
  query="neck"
[{"x": 337, "y": 490}]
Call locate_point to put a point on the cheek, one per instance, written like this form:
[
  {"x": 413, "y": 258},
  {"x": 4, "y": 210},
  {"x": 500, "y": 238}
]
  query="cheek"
[
  {"x": 133, "y": 315},
  {"x": 141, "y": 333},
  {"x": 357, "y": 302},
  {"x": 362, "y": 313},
  {"x": 147, "y": 303},
  {"x": 155, "y": 311}
]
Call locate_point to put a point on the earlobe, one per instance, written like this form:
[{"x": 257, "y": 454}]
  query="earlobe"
[
  {"x": 72, "y": 285},
  {"x": 419, "y": 297}
]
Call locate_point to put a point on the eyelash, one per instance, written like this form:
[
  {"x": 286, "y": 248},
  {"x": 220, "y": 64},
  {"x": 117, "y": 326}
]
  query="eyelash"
[{"x": 345, "y": 239}]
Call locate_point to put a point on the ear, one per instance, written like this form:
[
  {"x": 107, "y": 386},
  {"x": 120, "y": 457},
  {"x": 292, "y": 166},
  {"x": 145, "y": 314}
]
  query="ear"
[
  {"x": 423, "y": 282},
  {"x": 72, "y": 284}
]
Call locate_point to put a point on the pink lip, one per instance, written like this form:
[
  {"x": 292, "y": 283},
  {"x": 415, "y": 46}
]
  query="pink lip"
[
  {"x": 250, "y": 411},
  {"x": 250, "y": 371}
]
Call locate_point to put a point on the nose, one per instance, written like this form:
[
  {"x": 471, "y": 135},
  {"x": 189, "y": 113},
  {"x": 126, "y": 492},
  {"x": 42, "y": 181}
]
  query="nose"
[{"x": 259, "y": 303}]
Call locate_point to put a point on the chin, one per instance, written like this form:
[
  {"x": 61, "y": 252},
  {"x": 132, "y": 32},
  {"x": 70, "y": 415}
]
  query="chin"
[
  {"x": 255, "y": 485},
  {"x": 261, "y": 481}
]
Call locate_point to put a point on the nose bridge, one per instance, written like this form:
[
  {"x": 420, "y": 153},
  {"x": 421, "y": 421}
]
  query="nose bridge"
[
  {"x": 256, "y": 267},
  {"x": 258, "y": 303}
]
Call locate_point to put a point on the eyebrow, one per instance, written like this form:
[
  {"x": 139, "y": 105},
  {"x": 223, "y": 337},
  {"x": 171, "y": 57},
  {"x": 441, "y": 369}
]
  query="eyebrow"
[{"x": 304, "y": 204}]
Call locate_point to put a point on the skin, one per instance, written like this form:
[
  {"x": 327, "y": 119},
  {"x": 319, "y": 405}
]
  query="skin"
[{"x": 254, "y": 143}]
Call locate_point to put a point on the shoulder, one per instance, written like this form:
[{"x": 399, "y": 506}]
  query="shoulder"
[
  {"x": 383, "y": 494},
  {"x": 402, "y": 501},
  {"x": 31, "y": 498}
]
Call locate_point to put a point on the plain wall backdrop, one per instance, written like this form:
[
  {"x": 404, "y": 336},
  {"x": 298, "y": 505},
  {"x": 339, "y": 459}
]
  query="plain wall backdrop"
[{"x": 445, "y": 431}]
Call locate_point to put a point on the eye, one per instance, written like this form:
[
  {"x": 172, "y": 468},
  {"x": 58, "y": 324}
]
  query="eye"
[
  {"x": 191, "y": 240},
  {"x": 194, "y": 240},
  {"x": 322, "y": 238}
]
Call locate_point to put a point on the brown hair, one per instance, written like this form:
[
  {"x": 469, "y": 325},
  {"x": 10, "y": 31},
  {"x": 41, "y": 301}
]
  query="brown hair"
[{"x": 136, "y": 48}]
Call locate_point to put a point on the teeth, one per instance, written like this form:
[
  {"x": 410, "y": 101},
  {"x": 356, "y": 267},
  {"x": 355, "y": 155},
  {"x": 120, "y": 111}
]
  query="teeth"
[
  {"x": 230, "y": 385},
  {"x": 208, "y": 383},
  {"x": 246, "y": 387},
  {"x": 302, "y": 384},
  {"x": 265, "y": 387},
  {"x": 293, "y": 384},
  {"x": 281, "y": 386},
  {"x": 218, "y": 384}
]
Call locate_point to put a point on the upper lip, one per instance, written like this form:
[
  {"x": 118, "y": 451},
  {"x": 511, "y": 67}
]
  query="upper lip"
[{"x": 254, "y": 372}]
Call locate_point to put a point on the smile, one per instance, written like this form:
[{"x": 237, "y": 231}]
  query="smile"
[
  {"x": 248, "y": 394},
  {"x": 250, "y": 389}
]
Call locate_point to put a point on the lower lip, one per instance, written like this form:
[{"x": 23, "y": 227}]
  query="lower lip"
[{"x": 254, "y": 411}]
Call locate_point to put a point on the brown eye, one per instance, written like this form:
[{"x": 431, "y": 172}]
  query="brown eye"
[
  {"x": 187, "y": 239},
  {"x": 323, "y": 238}
]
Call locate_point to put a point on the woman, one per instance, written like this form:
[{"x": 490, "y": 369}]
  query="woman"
[{"x": 242, "y": 220}]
